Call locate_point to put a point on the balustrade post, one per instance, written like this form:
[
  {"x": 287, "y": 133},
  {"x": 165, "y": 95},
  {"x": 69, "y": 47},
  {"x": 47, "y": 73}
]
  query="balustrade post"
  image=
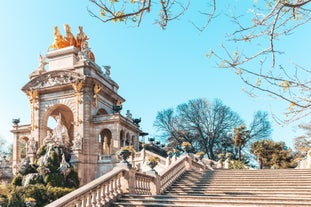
[
  {"x": 155, "y": 185},
  {"x": 128, "y": 181},
  {"x": 188, "y": 163}
]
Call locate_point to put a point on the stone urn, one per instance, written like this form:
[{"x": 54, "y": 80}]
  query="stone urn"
[
  {"x": 152, "y": 163},
  {"x": 30, "y": 202},
  {"x": 124, "y": 154},
  {"x": 186, "y": 147}
]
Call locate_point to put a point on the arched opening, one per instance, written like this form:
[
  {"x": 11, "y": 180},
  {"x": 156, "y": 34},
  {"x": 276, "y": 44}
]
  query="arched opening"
[
  {"x": 127, "y": 140},
  {"x": 105, "y": 142},
  {"x": 58, "y": 119},
  {"x": 101, "y": 112},
  {"x": 133, "y": 141},
  {"x": 23, "y": 147},
  {"x": 122, "y": 139}
]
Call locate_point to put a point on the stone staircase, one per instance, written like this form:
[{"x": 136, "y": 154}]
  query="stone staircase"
[{"x": 224, "y": 188}]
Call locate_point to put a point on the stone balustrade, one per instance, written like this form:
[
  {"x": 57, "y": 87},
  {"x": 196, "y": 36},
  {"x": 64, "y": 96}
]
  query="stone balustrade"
[
  {"x": 107, "y": 188},
  {"x": 99, "y": 192}
]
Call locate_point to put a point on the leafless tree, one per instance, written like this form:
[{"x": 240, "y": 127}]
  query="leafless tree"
[
  {"x": 205, "y": 125},
  {"x": 255, "y": 55}
]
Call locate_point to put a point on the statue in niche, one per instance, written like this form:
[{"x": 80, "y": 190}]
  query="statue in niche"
[{"x": 60, "y": 133}]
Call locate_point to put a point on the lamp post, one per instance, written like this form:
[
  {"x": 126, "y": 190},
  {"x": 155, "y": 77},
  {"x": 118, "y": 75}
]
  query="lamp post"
[{"x": 15, "y": 145}]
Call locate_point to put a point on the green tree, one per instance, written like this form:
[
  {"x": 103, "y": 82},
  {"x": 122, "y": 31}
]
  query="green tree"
[
  {"x": 241, "y": 135},
  {"x": 272, "y": 154}
]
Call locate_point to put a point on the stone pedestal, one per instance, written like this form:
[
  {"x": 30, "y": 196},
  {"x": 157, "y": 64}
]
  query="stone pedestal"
[{"x": 62, "y": 58}]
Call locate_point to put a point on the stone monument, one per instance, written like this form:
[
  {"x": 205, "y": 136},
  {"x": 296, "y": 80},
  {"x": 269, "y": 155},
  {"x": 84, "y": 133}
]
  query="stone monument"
[{"x": 82, "y": 100}]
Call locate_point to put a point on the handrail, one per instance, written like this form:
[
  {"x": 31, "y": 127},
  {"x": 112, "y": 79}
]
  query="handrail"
[
  {"x": 98, "y": 192},
  {"x": 172, "y": 173}
]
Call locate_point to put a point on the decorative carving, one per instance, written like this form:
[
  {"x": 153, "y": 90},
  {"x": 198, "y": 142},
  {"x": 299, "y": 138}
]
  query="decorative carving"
[
  {"x": 77, "y": 87},
  {"x": 33, "y": 96},
  {"x": 53, "y": 78},
  {"x": 77, "y": 142},
  {"x": 96, "y": 90}
]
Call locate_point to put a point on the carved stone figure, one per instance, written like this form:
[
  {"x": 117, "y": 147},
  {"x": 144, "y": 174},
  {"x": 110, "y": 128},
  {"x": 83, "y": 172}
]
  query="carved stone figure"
[
  {"x": 42, "y": 64},
  {"x": 70, "y": 39},
  {"x": 81, "y": 37},
  {"x": 48, "y": 139},
  {"x": 60, "y": 133},
  {"x": 64, "y": 167},
  {"x": 32, "y": 145}
]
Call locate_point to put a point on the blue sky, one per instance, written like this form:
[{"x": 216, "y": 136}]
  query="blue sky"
[{"x": 155, "y": 69}]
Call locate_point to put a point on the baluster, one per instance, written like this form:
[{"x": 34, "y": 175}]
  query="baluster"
[
  {"x": 111, "y": 189},
  {"x": 93, "y": 198},
  {"x": 98, "y": 203},
  {"x": 115, "y": 187},
  {"x": 84, "y": 201},
  {"x": 78, "y": 203},
  {"x": 102, "y": 194},
  {"x": 119, "y": 184},
  {"x": 107, "y": 192}
]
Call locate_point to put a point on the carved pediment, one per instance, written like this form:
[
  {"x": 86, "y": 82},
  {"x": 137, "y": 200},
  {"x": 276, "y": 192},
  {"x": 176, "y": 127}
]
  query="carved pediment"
[{"x": 53, "y": 78}]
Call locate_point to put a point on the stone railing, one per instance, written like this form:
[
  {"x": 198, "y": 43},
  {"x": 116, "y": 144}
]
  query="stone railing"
[
  {"x": 171, "y": 174},
  {"x": 107, "y": 188},
  {"x": 99, "y": 192}
]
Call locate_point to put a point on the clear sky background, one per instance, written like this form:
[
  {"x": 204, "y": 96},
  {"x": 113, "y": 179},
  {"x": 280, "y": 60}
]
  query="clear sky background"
[{"x": 155, "y": 69}]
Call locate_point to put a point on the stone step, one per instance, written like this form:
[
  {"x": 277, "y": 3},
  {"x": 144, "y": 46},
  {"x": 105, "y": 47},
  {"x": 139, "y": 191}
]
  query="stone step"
[
  {"x": 166, "y": 200},
  {"x": 288, "y": 193},
  {"x": 237, "y": 188}
]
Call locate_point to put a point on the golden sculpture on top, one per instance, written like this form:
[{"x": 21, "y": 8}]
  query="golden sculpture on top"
[
  {"x": 79, "y": 42},
  {"x": 81, "y": 37},
  {"x": 70, "y": 39}
]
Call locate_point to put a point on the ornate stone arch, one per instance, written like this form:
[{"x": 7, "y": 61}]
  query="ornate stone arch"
[
  {"x": 67, "y": 117},
  {"x": 23, "y": 145}
]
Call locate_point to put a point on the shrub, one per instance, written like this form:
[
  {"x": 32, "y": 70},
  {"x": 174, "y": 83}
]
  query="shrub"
[{"x": 237, "y": 165}]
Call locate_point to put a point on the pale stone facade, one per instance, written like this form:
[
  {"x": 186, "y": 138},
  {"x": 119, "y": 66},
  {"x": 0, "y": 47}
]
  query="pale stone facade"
[{"x": 87, "y": 100}]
